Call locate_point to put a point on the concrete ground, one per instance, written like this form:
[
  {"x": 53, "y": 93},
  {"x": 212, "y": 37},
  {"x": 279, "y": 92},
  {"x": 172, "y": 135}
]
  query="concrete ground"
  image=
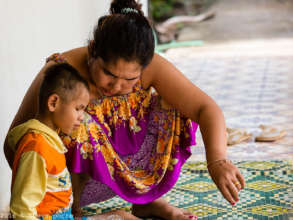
[{"x": 243, "y": 20}]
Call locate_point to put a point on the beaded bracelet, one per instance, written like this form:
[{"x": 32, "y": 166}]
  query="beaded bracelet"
[{"x": 218, "y": 161}]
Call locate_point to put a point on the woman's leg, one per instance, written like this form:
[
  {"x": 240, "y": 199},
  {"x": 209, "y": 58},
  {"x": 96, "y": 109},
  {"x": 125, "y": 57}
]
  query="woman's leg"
[
  {"x": 115, "y": 215},
  {"x": 161, "y": 208},
  {"x": 79, "y": 181}
]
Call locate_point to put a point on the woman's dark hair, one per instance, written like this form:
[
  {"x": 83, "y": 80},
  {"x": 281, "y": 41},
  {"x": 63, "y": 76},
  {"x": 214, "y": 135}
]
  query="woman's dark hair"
[
  {"x": 60, "y": 79},
  {"x": 125, "y": 33}
]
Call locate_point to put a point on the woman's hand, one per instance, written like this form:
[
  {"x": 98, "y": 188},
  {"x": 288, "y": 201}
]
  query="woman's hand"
[{"x": 228, "y": 179}]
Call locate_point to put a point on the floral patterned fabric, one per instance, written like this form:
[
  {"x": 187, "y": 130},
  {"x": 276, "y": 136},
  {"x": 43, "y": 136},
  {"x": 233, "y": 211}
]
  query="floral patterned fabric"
[{"x": 131, "y": 145}]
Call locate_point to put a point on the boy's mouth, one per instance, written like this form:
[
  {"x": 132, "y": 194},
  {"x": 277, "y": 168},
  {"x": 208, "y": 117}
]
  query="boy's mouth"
[{"x": 76, "y": 125}]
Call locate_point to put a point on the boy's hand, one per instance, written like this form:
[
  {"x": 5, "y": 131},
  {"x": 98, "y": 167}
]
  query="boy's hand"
[{"x": 228, "y": 179}]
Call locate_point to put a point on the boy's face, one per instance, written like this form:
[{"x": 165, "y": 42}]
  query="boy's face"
[{"x": 69, "y": 114}]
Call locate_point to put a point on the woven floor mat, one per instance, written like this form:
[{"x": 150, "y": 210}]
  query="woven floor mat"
[{"x": 268, "y": 193}]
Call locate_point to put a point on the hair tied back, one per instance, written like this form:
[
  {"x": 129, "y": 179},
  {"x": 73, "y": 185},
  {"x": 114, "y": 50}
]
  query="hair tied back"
[{"x": 128, "y": 10}]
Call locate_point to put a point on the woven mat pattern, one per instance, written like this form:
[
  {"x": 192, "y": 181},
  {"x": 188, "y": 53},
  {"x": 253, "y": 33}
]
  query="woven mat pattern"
[{"x": 268, "y": 193}]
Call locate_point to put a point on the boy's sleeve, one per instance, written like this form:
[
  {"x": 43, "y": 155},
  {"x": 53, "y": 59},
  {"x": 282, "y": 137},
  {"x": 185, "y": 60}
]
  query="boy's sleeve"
[{"x": 29, "y": 186}]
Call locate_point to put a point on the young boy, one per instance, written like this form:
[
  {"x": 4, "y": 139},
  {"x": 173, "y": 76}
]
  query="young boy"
[{"x": 41, "y": 185}]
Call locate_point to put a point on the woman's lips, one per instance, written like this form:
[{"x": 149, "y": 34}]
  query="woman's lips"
[{"x": 107, "y": 93}]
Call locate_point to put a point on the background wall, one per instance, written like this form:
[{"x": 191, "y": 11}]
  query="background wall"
[{"x": 32, "y": 30}]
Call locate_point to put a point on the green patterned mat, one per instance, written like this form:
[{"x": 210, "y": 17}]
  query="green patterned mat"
[{"x": 268, "y": 193}]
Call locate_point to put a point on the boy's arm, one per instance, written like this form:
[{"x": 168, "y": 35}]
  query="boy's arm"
[{"x": 29, "y": 186}]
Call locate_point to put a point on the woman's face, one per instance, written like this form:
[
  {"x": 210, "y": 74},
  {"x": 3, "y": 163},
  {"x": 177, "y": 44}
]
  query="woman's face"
[{"x": 116, "y": 78}]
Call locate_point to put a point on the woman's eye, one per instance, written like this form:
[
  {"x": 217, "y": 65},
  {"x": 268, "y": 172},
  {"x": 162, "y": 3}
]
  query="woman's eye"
[{"x": 107, "y": 73}]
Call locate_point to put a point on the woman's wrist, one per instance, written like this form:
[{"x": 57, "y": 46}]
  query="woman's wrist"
[{"x": 218, "y": 162}]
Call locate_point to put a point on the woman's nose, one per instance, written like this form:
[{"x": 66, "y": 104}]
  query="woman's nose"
[{"x": 116, "y": 85}]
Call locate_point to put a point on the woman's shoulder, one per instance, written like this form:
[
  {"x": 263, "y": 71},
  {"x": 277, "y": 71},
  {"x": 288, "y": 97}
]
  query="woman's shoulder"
[{"x": 76, "y": 57}]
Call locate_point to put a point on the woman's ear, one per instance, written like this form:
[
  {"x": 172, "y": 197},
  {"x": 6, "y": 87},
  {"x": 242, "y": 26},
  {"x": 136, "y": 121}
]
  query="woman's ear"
[
  {"x": 53, "y": 102},
  {"x": 91, "y": 49}
]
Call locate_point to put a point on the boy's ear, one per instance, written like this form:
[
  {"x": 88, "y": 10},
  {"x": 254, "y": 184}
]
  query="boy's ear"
[{"x": 53, "y": 102}]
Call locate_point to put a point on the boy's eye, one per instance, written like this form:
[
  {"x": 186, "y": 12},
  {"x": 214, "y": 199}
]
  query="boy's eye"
[{"x": 80, "y": 108}]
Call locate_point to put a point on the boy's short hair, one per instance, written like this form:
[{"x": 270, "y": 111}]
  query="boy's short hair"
[{"x": 60, "y": 79}]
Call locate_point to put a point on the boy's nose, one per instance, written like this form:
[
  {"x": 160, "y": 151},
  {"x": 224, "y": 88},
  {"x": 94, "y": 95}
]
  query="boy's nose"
[{"x": 81, "y": 116}]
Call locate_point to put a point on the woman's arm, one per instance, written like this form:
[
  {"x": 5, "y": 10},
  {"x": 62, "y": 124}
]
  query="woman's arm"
[
  {"x": 193, "y": 103},
  {"x": 27, "y": 110}
]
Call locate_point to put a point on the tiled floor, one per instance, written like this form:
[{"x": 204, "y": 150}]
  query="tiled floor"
[{"x": 253, "y": 84}]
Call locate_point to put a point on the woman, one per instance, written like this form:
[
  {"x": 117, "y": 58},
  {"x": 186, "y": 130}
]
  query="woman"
[{"x": 134, "y": 141}]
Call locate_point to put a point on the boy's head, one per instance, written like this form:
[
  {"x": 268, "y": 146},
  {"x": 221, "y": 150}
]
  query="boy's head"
[{"x": 63, "y": 96}]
